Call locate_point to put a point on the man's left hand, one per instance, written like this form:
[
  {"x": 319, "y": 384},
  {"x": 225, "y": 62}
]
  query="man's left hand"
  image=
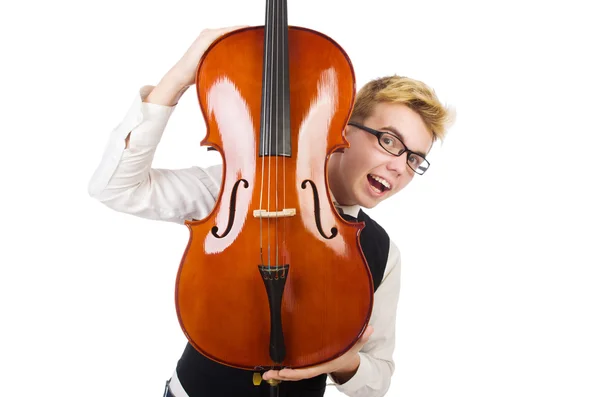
[{"x": 344, "y": 366}]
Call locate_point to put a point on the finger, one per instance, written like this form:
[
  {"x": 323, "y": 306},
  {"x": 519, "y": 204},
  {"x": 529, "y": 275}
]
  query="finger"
[
  {"x": 364, "y": 338},
  {"x": 230, "y": 29},
  {"x": 234, "y": 27},
  {"x": 271, "y": 374},
  {"x": 288, "y": 374}
]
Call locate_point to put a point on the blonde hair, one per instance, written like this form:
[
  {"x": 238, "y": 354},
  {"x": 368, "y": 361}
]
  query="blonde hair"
[{"x": 410, "y": 92}]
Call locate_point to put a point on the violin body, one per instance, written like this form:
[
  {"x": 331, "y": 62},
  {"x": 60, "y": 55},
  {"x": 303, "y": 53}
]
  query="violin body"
[{"x": 274, "y": 217}]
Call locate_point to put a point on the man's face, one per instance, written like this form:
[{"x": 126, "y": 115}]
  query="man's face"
[{"x": 355, "y": 176}]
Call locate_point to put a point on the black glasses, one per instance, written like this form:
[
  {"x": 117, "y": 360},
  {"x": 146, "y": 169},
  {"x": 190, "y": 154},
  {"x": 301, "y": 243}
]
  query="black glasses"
[{"x": 393, "y": 145}]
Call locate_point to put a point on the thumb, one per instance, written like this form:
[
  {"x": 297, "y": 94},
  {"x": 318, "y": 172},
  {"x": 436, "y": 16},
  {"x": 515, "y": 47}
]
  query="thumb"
[{"x": 364, "y": 338}]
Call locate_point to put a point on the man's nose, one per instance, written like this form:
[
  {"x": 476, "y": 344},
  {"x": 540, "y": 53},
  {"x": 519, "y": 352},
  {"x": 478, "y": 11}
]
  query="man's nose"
[{"x": 398, "y": 164}]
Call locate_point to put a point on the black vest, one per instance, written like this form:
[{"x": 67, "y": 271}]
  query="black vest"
[{"x": 202, "y": 377}]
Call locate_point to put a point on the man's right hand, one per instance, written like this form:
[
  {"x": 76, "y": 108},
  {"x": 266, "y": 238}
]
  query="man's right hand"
[
  {"x": 183, "y": 74},
  {"x": 185, "y": 69}
]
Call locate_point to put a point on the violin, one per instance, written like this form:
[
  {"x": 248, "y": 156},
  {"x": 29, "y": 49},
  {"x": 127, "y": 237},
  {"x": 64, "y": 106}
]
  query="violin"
[{"x": 274, "y": 277}]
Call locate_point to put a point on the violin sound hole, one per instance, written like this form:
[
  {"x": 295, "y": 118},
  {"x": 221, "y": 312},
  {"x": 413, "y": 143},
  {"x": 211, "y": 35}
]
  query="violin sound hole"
[
  {"x": 215, "y": 229},
  {"x": 334, "y": 230}
]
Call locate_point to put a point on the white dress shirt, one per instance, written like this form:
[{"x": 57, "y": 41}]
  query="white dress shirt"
[{"x": 124, "y": 181}]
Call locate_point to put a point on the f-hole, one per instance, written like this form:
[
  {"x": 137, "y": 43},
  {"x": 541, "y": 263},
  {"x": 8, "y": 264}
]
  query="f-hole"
[
  {"x": 215, "y": 229},
  {"x": 317, "y": 204}
]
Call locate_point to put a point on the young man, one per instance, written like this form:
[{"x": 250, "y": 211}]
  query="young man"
[{"x": 394, "y": 123}]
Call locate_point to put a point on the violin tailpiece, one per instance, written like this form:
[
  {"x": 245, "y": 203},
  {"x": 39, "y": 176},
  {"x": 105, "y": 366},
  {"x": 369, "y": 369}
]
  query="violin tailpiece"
[{"x": 274, "y": 278}]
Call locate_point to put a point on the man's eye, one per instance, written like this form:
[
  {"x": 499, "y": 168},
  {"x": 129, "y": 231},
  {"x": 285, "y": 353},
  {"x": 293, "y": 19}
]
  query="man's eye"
[
  {"x": 415, "y": 160},
  {"x": 387, "y": 141}
]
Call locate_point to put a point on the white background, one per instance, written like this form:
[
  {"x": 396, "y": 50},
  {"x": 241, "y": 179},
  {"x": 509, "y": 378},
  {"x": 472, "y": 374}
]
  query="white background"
[{"x": 500, "y": 267}]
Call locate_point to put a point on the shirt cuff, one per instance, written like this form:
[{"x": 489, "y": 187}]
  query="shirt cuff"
[
  {"x": 145, "y": 122},
  {"x": 359, "y": 379},
  {"x": 152, "y": 121}
]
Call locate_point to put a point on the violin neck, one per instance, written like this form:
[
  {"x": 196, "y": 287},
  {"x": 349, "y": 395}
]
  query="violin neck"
[{"x": 275, "y": 108}]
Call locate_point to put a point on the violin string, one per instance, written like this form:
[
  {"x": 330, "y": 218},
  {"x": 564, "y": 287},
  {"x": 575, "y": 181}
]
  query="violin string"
[
  {"x": 264, "y": 145},
  {"x": 278, "y": 131},
  {"x": 285, "y": 108},
  {"x": 270, "y": 138}
]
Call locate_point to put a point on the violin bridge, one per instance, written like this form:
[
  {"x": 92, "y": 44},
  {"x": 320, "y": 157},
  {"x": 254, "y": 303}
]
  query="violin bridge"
[{"x": 274, "y": 214}]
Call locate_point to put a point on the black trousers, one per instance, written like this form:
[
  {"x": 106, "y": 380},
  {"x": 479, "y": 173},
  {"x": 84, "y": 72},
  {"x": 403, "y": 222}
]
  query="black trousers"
[
  {"x": 286, "y": 389},
  {"x": 201, "y": 377}
]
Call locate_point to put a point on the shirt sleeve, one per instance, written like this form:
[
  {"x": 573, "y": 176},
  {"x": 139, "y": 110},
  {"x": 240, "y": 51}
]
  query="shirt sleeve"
[
  {"x": 376, "y": 367},
  {"x": 125, "y": 181}
]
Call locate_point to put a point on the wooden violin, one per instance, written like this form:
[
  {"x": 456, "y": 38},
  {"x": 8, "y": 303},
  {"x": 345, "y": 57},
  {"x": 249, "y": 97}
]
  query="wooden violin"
[{"x": 273, "y": 277}]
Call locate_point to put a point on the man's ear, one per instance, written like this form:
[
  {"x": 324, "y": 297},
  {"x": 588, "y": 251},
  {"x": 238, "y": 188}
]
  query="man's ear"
[{"x": 346, "y": 131}]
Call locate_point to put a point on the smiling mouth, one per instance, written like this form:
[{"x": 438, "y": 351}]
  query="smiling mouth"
[{"x": 379, "y": 184}]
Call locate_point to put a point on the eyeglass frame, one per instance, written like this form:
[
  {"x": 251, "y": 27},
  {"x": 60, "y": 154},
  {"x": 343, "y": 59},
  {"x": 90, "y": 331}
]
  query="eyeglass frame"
[{"x": 379, "y": 134}]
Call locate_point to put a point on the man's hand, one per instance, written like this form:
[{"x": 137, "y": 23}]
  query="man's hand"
[
  {"x": 342, "y": 368},
  {"x": 183, "y": 74},
  {"x": 184, "y": 71}
]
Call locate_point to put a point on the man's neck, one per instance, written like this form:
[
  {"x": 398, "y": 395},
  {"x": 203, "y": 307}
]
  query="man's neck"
[{"x": 352, "y": 209}]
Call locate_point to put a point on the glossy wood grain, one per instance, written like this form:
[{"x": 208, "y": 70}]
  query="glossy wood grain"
[{"x": 220, "y": 297}]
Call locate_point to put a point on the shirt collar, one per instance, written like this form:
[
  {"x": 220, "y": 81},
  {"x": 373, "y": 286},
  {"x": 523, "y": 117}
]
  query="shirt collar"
[{"x": 351, "y": 210}]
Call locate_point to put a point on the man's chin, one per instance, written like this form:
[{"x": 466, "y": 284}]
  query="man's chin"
[{"x": 368, "y": 202}]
